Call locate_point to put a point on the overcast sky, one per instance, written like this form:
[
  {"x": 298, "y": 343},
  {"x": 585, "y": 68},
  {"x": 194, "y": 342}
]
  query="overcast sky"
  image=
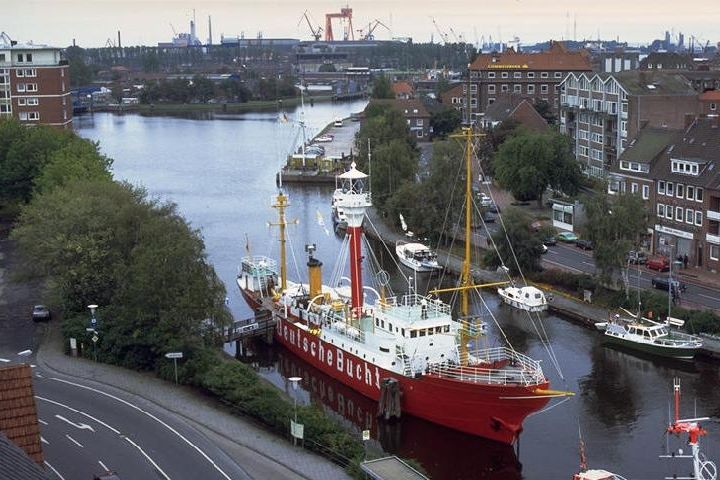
[{"x": 93, "y": 22}]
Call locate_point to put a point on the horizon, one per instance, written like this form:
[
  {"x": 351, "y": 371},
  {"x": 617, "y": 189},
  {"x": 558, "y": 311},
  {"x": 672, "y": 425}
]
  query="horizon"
[{"x": 55, "y": 22}]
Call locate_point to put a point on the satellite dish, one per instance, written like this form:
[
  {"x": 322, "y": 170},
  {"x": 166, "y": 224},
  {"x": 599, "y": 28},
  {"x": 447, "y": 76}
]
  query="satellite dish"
[{"x": 383, "y": 278}]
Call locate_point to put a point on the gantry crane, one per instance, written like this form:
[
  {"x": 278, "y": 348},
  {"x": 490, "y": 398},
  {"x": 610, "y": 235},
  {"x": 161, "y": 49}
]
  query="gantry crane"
[
  {"x": 345, "y": 13},
  {"x": 316, "y": 32}
]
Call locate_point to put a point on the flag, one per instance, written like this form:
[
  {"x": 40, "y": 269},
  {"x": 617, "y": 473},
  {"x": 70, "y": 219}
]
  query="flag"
[{"x": 321, "y": 222}]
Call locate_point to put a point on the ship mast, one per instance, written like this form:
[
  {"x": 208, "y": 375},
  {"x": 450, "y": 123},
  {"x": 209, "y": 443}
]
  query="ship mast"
[{"x": 280, "y": 203}]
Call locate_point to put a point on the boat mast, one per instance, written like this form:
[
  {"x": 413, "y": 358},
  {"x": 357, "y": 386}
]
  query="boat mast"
[
  {"x": 280, "y": 204},
  {"x": 466, "y": 279}
]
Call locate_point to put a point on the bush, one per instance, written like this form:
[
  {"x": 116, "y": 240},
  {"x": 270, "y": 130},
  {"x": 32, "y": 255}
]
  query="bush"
[{"x": 568, "y": 281}]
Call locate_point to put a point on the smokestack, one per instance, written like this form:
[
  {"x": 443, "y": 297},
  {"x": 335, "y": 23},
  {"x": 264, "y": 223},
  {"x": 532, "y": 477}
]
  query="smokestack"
[
  {"x": 119, "y": 42},
  {"x": 192, "y": 32},
  {"x": 209, "y": 30}
]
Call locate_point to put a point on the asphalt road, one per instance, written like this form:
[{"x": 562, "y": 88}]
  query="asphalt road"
[{"x": 570, "y": 257}]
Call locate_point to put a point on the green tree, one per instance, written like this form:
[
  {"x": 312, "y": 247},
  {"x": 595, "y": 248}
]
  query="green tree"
[
  {"x": 79, "y": 160},
  {"x": 529, "y": 163},
  {"x": 545, "y": 110},
  {"x": 202, "y": 88},
  {"x": 615, "y": 226},
  {"x": 445, "y": 121},
  {"x": 516, "y": 242},
  {"x": 381, "y": 87},
  {"x": 80, "y": 73},
  {"x": 150, "y": 62}
]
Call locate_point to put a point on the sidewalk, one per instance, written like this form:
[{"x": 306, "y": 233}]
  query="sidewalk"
[{"x": 260, "y": 453}]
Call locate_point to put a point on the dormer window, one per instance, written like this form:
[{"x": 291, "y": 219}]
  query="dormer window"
[{"x": 684, "y": 167}]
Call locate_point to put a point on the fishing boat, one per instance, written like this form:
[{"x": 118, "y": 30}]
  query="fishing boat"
[
  {"x": 416, "y": 256},
  {"x": 407, "y": 352},
  {"x": 527, "y": 298},
  {"x": 256, "y": 278}
]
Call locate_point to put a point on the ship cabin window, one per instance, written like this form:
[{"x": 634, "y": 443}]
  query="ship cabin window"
[
  {"x": 384, "y": 350},
  {"x": 423, "y": 332},
  {"x": 390, "y": 327},
  {"x": 438, "y": 330},
  {"x": 413, "y": 333},
  {"x": 402, "y": 332},
  {"x": 446, "y": 329}
]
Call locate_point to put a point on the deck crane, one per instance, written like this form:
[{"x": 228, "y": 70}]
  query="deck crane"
[
  {"x": 443, "y": 35},
  {"x": 316, "y": 32}
]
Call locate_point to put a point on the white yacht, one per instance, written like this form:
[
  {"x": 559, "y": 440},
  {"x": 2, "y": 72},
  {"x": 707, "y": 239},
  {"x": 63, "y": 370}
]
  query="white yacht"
[
  {"x": 527, "y": 298},
  {"x": 417, "y": 256}
]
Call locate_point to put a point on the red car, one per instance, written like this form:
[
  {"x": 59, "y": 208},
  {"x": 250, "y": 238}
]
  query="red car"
[{"x": 661, "y": 264}]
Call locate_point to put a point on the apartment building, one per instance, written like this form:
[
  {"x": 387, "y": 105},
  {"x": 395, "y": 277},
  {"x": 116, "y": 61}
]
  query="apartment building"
[
  {"x": 535, "y": 76},
  {"x": 34, "y": 84},
  {"x": 600, "y": 112}
]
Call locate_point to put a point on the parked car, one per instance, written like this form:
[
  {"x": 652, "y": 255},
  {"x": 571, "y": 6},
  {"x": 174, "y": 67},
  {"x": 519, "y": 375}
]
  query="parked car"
[
  {"x": 568, "y": 237},
  {"x": 584, "y": 244},
  {"x": 661, "y": 264},
  {"x": 40, "y": 313},
  {"x": 636, "y": 257},
  {"x": 485, "y": 201},
  {"x": 662, "y": 283},
  {"x": 542, "y": 248},
  {"x": 549, "y": 242}
]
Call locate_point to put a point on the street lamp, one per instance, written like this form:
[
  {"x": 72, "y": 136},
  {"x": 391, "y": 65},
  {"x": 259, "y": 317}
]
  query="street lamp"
[{"x": 294, "y": 381}]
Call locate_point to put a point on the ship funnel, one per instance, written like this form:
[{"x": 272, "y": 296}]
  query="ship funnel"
[{"x": 314, "y": 272}]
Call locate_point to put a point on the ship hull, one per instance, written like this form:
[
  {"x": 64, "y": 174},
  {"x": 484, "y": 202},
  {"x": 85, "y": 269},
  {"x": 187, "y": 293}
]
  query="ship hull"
[
  {"x": 488, "y": 410},
  {"x": 678, "y": 353},
  {"x": 253, "y": 300}
]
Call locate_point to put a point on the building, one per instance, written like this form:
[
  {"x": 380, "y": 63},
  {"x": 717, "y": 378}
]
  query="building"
[
  {"x": 403, "y": 90},
  {"x": 710, "y": 102},
  {"x": 18, "y": 414},
  {"x": 535, "y": 76},
  {"x": 618, "y": 61},
  {"x": 513, "y": 107},
  {"x": 34, "y": 84},
  {"x": 600, "y": 112},
  {"x": 415, "y": 113}
]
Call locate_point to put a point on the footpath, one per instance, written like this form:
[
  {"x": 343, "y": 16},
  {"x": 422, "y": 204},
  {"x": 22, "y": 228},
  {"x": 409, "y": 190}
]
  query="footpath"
[{"x": 261, "y": 453}]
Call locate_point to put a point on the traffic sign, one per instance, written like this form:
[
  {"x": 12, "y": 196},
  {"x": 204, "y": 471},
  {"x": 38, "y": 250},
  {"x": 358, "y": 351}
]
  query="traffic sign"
[
  {"x": 174, "y": 355},
  {"x": 95, "y": 338},
  {"x": 89, "y": 329},
  {"x": 93, "y": 321},
  {"x": 366, "y": 435}
]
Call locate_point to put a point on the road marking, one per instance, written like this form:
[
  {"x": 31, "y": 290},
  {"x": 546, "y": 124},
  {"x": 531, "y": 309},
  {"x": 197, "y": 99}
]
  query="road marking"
[
  {"x": 42, "y": 421},
  {"x": 79, "y": 426},
  {"x": 74, "y": 441},
  {"x": 115, "y": 430},
  {"x": 160, "y": 470},
  {"x": 568, "y": 267},
  {"x": 42, "y": 439},
  {"x": 125, "y": 402},
  {"x": 709, "y": 297},
  {"x": 588, "y": 263},
  {"x": 38, "y": 375},
  {"x": 103, "y": 466},
  {"x": 54, "y": 471},
  {"x": 4, "y": 360},
  {"x": 550, "y": 250}
]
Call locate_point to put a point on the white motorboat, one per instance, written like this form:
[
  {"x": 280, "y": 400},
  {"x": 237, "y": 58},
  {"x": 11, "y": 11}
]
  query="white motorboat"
[
  {"x": 338, "y": 214},
  {"x": 417, "y": 256},
  {"x": 527, "y": 298}
]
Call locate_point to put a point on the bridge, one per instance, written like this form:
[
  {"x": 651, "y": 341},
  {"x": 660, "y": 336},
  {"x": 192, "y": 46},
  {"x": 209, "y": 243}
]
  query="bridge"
[{"x": 262, "y": 324}]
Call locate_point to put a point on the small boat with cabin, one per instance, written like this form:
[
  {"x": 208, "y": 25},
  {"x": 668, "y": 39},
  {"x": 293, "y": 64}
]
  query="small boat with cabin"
[
  {"x": 527, "y": 298},
  {"x": 417, "y": 256},
  {"x": 257, "y": 277}
]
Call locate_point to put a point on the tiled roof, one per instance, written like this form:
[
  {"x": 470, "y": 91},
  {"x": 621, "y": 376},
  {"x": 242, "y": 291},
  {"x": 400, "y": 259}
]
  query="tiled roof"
[
  {"x": 557, "y": 57},
  {"x": 654, "y": 82},
  {"x": 410, "y": 108},
  {"x": 649, "y": 144},
  {"x": 16, "y": 465},
  {"x": 710, "y": 96},
  {"x": 18, "y": 415},
  {"x": 402, "y": 87}
]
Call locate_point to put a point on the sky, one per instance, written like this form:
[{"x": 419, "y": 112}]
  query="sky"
[{"x": 145, "y": 22}]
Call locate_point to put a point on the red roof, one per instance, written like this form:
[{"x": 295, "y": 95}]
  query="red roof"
[
  {"x": 710, "y": 95},
  {"x": 402, "y": 87},
  {"x": 18, "y": 415},
  {"x": 557, "y": 57}
]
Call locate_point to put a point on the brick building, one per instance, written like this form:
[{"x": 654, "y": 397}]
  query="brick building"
[
  {"x": 600, "y": 112},
  {"x": 535, "y": 76},
  {"x": 34, "y": 84},
  {"x": 710, "y": 102},
  {"x": 515, "y": 108},
  {"x": 415, "y": 113}
]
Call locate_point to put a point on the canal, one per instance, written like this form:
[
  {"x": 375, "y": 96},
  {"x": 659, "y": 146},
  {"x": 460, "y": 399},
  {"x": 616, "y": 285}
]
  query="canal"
[{"x": 221, "y": 173}]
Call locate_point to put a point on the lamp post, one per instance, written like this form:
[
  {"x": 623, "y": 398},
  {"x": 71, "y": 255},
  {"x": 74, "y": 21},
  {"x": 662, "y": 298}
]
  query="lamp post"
[{"x": 294, "y": 381}]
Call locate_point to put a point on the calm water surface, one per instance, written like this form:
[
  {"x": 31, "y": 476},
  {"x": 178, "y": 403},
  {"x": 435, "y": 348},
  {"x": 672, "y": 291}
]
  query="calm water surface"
[{"x": 221, "y": 175}]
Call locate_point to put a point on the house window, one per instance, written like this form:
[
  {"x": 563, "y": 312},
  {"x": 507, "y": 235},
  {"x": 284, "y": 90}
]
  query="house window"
[
  {"x": 31, "y": 87},
  {"x": 20, "y": 87},
  {"x": 28, "y": 57},
  {"x": 491, "y": 88},
  {"x": 669, "y": 212},
  {"x": 33, "y": 116},
  {"x": 531, "y": 75},
  {"x": 713, "y": 106},
  {"x": 491, "y": 101},
  {"x": 689, "y": 215},
  {"x": 19, "y": 73},
  {"x": 491, "y": 74},
  {"x": 23, "y": 116},
  {"x": 30, "y": 72},
  {"x": 21, "y": 102},
  {"x": 544, "y": 75},
  {"x": 714, "y": 252},
  {"x": 661, "y": 187},
  {"x": 634, "y": 188},
  {"x": 504, "y": 74},
  {"x": 669, "y": 189},
  {"x": 2, "y": 57},
  {"x": 558, "y": 74},
  {"x": 20, "y": 58},
  {"x": 35, "y": 101},
  {"x": 504, "y": 87},
  {"x": 517, "y": 88},
  {"x": 531, "y": 89},
  {"x": 698, "y": 218},
  {"x": 473, "y": 87},
  {"x": 645, "y": 192},
  {"x": 543, "y": 89},
  {"x": 680, "y": 190},
  {"x": 517, "y": 75},
  {"x": 679, "y": 214},
  {"x": 419, "y": 133},
  {"x": 690, "y": 192},
  {"x": 660, "y": 210},
  {"x": 698, "y": 194}
]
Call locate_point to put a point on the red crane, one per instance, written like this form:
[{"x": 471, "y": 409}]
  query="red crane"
[{"x": 345, "y": 13}]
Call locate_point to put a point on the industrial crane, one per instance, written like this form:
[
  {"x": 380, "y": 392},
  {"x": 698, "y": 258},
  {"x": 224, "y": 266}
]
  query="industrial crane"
[
  {"x": 371, "y": 28},
  {"x": 443, "y": 35},
  {"x": 316, "y": 32},
  {"x": 345, "y": 13}
]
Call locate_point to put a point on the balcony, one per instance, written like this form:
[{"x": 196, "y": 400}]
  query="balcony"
[
  {"x": 714, "y": 239},
  {"x": 712, "y": 215}
]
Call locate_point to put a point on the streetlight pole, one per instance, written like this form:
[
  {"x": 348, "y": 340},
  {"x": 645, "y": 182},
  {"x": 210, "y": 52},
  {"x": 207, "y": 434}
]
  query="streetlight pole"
[{"x": 295, "y": 381}]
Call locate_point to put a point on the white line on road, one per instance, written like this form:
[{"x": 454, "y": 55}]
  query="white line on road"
[
  {"x": 204, "y": 455},
  {"x": 80, "y": 426},
  {"x": 115, "y": 430},
  {"x": 4, "y": 360},
  {"x": 54, "y": 471},
  {"x": 568, "y": 267},
  {"x": 42, "y": 421},
  {"x": 74, "y": 441},
  {"x": 42, "y": 439},
  {"x": 160, "y": 470},
  {"x": 588, "y": 263},
  {"x": 550, "y": 250},
  {"x": 709, "y": 297},
  {"x": 103, "y": 466}
]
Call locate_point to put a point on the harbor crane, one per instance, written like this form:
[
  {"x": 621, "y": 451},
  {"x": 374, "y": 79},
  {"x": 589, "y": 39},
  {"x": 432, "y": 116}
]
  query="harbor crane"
[
  {"x": 443, "y": 35},
  {"x": 345, "y": 14},
  {"x": 316, "y": 32},
  {"x": 371, "y": 28}
]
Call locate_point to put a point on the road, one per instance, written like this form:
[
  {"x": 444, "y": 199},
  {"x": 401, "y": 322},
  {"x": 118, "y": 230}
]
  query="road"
[{"x": 569, "y": 257}]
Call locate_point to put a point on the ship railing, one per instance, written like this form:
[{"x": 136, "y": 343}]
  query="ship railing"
[
  {"x": 258, "y": 265},
  {"x": 337, "y": 323},
  {"x": 434, "y": 308},
  {"x": 679, "y": 339},
  {"x": 499, "y": 366}
]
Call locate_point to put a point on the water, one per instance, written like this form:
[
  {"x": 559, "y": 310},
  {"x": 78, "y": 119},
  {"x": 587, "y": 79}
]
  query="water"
[{"x": 221, "y": 175}]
